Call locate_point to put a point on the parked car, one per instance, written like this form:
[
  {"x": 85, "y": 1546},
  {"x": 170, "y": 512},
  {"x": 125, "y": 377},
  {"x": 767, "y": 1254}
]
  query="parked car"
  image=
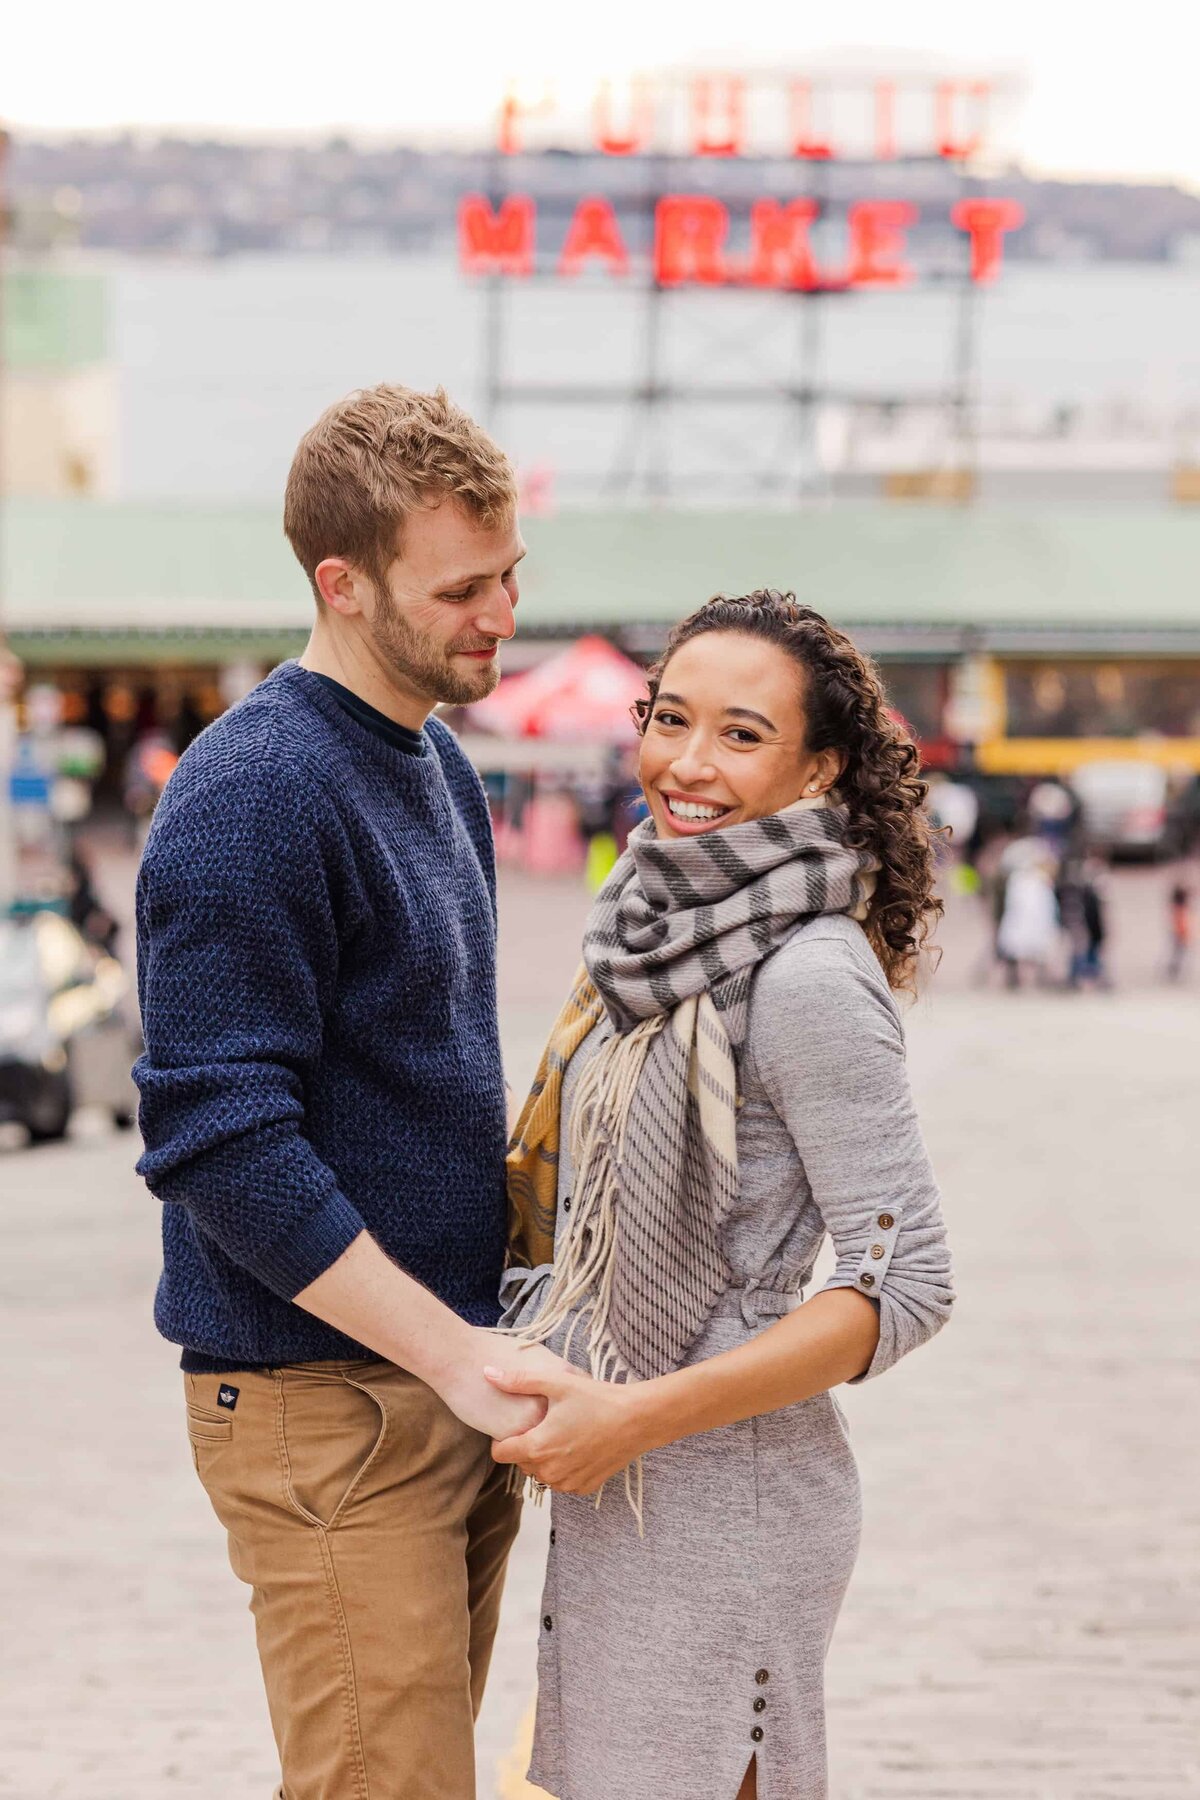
[
  {"x": 1126, "y": 808},
  {"x": 65, "y": 1036}
]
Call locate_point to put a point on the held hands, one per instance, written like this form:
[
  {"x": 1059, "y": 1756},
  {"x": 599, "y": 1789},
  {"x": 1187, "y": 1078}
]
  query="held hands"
[
  {"x": 589, "y": 1431},
  {"x": 480, "y": 1403}
]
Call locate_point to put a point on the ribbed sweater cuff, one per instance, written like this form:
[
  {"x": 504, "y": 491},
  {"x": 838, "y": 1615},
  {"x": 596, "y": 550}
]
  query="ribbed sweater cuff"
[{"x": 296, "y": 1260}]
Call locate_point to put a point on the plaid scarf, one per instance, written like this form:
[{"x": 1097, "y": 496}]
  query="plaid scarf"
[{"x": 670, "y": 950}]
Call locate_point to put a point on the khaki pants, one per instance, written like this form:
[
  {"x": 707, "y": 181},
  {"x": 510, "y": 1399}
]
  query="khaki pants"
[{"x": 373, "y": 1528}]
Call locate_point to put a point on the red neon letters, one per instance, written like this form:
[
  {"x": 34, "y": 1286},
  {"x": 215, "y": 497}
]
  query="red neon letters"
[
  {"x": 491, "y": 242},
  {"x": 805, "y": 144},
  {"x": 986, "y": 221},
  {"x": 877, "y": 230},
  {"x": 641, "y": 122},
  {"x": 711, "y": 114},
  {"x": 593, "y": 232},
  {"x": 949, "y": 145},
  {"x": 718, "y": 115},
  {"x": 780, "y": 253},
  {"x": 691, "y": 236},
  {"x": 689, "y": 232}
]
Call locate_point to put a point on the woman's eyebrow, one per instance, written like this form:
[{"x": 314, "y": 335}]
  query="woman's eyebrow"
[
  {"x": 731, "y": 712},
  {"x": 744, "y": 712}
]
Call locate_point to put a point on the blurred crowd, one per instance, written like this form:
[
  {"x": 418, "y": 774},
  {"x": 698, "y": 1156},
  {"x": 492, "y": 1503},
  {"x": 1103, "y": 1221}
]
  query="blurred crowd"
[
  {"x": 96, "y": 753},
  {"x": 1042, "y": 875}
]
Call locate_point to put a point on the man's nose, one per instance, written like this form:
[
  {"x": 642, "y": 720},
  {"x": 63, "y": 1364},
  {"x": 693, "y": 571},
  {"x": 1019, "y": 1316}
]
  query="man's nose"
[{"x": 497, "y": 618}]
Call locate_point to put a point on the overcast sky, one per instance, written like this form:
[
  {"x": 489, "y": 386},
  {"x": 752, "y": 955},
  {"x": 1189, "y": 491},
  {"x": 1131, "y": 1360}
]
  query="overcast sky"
[{"x": 1099, "y": 99}]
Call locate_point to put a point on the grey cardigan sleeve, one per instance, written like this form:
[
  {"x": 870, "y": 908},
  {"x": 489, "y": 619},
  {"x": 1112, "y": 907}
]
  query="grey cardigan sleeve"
[{"x": 827, "y": 1042}]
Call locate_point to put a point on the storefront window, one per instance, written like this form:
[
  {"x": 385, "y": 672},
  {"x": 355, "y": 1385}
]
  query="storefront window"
[
  {"x": 142, "y": 710},
  {"x": 917, "y": 690},
  {"x": 1102, "y": 699}
]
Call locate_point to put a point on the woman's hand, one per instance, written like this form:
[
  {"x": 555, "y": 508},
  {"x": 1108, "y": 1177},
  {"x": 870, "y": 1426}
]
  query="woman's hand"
[
  {"x": 589, "y": 1434},
  {"x": 478, "y": 1402}
]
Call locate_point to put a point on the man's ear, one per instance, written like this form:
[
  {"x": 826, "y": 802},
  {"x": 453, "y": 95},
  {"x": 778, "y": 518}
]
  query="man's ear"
[{"x": 337, "y": 583}]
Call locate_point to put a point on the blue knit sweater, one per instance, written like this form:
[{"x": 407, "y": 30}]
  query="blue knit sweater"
[{"x": 316, "y": 963}]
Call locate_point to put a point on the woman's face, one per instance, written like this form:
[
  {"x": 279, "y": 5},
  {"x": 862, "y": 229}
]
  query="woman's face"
[{"x": 726, "y": 740}]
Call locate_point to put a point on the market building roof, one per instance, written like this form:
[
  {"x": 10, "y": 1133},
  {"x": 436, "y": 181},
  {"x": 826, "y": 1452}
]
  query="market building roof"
[{"x": 136, "y": 581}]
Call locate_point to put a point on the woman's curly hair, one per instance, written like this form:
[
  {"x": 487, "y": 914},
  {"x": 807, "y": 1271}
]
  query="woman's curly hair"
[{"x": 880, "y": 786}]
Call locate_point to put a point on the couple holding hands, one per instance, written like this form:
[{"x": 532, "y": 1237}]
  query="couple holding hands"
[{"x": 390, "y": 1327}]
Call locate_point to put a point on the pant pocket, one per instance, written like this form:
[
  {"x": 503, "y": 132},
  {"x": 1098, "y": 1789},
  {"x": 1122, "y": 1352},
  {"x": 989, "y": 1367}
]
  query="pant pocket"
[
  {"x": 207, "y": 1432},
  {"x": 330, "y": 1433},
  {"x": 208, "y": 1427}
]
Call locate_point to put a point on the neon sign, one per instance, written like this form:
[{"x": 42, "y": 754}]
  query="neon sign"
[
  {"x": 737, "y": 115},
  {"x": 691, "y": 233},
  {"x": 729, "y": 116}
]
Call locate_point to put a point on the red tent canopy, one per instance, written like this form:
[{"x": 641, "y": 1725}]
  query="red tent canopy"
[{"x": 584, "y": 693}]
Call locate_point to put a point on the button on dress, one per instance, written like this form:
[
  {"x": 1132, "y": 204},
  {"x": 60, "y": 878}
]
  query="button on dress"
[{"x": 667, "y": 1662}]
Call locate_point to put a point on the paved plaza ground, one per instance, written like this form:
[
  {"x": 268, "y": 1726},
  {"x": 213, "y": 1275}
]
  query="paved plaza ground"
[{"x": 1022, "y": 1625}]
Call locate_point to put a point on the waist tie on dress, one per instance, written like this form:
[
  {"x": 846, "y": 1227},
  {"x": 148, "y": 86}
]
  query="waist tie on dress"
[{"x": 755, "y": 1302}]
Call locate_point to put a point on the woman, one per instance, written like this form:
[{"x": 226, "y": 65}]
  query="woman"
[
  {"x": 1029, "y": 923},
  {"x": 724, "y": 1086}
]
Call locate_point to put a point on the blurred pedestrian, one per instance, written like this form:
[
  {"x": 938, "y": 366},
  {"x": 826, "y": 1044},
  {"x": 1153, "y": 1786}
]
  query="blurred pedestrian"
[
  {"x": 601, "y": 860},
  {"x": 148, "y": 767},
  {"x": 954, "y": 808},
  {"x": 953, "y": 805},
  {"x": 86, "y": 910},
  {"x": 596, "y": 797},
  {"x": 1082, "y": 910},
  {"x": 1029, "y": 931},
  {"x": 1179, "y": 931},
  {"x": 1052, "y": 813}
]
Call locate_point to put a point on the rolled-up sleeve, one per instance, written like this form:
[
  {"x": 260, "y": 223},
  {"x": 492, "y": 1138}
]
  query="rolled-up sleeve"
[{"x": 829, "y": 1049}]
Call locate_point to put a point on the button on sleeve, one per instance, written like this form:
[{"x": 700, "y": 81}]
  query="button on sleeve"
[{"x": 829, "y": 1049}]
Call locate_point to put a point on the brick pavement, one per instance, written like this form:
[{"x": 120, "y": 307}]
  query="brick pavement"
[{"x": 1022, "y": 1623}]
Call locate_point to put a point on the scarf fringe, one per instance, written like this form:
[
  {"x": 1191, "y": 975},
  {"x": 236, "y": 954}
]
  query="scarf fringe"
[
  {"x": 582, "y": 1284},
  {"x": 533, "y": 1492}
]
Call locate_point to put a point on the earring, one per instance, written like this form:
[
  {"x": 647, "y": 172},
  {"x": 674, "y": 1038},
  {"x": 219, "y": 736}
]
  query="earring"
[{"x": 813, "y": 786}]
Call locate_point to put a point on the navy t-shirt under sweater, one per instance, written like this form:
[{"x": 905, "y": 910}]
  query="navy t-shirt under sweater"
[{"x": 316, "y": 963}]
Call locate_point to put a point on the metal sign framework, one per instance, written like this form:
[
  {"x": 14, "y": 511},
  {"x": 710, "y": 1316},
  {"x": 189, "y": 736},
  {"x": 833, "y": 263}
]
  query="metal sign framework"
[{"x": 791, "y": 383}]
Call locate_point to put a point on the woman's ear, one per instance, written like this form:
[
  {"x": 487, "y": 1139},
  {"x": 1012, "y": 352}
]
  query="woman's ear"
[{"x": 826, "y": 773}]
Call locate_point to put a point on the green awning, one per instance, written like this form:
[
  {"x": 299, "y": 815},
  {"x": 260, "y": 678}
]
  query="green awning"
[{"x": 917, "y": 576}]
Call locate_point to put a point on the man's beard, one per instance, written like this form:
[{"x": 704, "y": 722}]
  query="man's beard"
[{"x": 425, "y": 666}]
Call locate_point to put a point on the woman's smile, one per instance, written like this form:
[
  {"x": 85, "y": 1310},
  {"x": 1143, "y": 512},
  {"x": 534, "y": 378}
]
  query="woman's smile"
[{"x": 689, "y": 814}]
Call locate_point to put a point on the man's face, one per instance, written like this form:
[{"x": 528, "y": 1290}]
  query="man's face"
[{"x": 447, "y": 604}]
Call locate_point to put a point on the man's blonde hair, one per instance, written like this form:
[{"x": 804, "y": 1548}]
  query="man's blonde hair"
[{"x": 375, "y": 459}]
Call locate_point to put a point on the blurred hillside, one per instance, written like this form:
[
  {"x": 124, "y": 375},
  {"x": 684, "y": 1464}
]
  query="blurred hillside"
[{"x": 209, "y": 198}]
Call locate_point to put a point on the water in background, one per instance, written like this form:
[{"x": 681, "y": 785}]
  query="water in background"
[{"x": 220, "y": 365}]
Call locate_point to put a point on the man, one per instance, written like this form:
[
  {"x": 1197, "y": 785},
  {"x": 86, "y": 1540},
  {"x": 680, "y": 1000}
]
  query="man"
[{"x": 323, "y": 1111}]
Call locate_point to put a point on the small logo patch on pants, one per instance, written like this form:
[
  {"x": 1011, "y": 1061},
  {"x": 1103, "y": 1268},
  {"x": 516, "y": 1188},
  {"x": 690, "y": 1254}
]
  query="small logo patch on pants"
[{"x": 227, "y": 1397}]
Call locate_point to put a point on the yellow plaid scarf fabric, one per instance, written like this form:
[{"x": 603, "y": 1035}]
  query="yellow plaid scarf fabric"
[{"x": 533, "y": 1153}]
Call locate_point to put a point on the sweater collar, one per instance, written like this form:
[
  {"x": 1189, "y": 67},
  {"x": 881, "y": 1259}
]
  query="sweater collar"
[{"x": 318, "y": 695}]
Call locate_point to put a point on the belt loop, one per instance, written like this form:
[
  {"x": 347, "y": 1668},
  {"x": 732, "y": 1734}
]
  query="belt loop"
[{"x": 750, "y": 1316}]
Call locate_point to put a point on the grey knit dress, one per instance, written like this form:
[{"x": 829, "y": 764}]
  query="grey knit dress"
[{"x": 667, "y": 1662}]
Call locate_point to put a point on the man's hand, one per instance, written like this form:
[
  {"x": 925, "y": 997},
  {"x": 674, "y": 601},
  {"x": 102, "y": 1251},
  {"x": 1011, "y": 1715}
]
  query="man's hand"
[
  {"x": 365, "y": 1296},
  {"x": 590, "y": 1432},
  {"x": 479, "y": 1403}
]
